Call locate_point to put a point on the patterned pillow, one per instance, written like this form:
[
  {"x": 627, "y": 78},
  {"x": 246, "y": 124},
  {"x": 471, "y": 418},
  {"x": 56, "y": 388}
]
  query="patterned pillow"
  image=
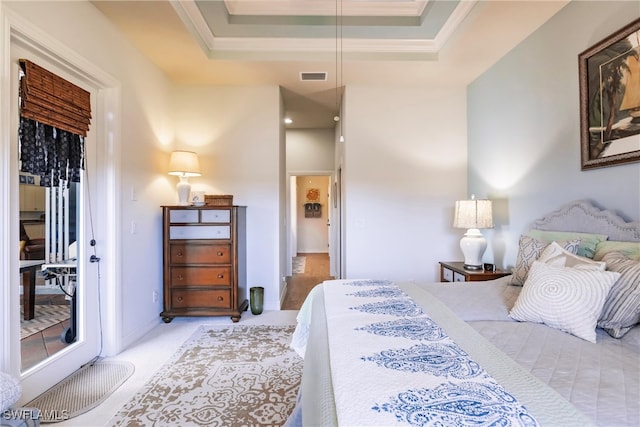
[
  {"x": 621, "y": 310},
  {"x": 628, "y": 249},
  {"x": 564, "y": 298},
  {"x": 529, "y": 249},
  {"x": 588, "y": 241},
  {"x": 555, "y": 255}
]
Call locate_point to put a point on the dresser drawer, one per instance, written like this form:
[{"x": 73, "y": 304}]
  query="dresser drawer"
[
  {"x": 457, "y": 277},
  {"x": 199, "y": 254},
  {"x": 215, "y": 215},
  {"x": 200, "y": 276},
  {"x": 199, "y": 232},
  {"x": 183, "y": 215},
  {"x": 205, "y": 298},
  {"x": 447, "y": 275}
]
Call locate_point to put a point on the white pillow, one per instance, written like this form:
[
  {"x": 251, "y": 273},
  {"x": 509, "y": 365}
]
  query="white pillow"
[
  {"x": 564, "y": 298},
  {"x": 557, "y": 256}
]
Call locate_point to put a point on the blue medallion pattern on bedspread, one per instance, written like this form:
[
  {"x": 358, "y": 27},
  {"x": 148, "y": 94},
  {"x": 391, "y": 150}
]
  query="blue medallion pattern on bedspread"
[
  {"x": 458, "y": 405},
  {"x": 445, "y": 386}
]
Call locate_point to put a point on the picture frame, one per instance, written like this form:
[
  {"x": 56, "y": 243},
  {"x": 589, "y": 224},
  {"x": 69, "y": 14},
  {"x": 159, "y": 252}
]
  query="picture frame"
[{"x": 609, "y": 80}]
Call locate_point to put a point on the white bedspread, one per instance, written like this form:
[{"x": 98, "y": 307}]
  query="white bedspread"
[
  {"x": 318, "y": 401},
  {"x": 396, "y": 364}
]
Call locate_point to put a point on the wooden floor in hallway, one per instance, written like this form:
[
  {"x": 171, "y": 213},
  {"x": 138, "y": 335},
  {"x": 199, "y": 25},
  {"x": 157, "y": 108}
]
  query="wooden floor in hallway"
[{"x": 299, "y": 284}]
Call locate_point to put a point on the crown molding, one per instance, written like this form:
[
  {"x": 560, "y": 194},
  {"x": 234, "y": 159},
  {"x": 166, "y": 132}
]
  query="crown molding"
[{"x": 190, "y": 15}]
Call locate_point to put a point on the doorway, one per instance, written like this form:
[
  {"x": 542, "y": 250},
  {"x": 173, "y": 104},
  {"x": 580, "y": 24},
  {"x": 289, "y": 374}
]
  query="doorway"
[
  {"x": 311, "y": 238},
  {"x": 311, "y": 213},
  {"x": 92, "y": 336}
]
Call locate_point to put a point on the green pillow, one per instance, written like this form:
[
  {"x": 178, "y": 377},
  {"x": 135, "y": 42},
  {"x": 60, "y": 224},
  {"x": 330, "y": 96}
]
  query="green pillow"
[
  {"x": 628, "y": 249},
  {"x": 588, "y": 241}
]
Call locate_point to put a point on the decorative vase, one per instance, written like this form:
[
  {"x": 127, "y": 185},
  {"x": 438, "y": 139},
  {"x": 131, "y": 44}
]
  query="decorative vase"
[{"x": 256, "y": 298}]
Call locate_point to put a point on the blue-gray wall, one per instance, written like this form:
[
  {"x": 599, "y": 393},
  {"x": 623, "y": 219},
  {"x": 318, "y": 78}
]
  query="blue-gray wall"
[{"x": 524, "y": 128}]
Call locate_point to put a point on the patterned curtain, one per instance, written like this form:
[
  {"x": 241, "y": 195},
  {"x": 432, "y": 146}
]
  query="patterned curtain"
[{"x": 50, "y": 153}]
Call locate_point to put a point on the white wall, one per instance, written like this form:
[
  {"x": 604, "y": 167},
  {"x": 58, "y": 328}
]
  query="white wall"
[
  {"x": 524, "y": 134},
  {"x": 309, "y": 150},
  {"x": 404, "y": 167},
  {"x": 236, "y": 133}
]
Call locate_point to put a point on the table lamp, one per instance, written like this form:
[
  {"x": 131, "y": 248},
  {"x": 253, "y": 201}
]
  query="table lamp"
[
  {"x": 473, "y": 215},
  {"x": 184, "y": 164}
]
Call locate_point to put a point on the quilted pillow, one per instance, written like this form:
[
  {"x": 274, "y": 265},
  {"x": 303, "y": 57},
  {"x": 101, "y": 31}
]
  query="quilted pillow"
[
  {"x": 588, "y": 241},
  {"x": 9, "y": 391},
  {"x": 564, "y": 298},
  {"x": 628, "y": 249},
  {"x": 529, "y": 249},
  {"x": 555, "y": 255},
  {"x": 621, "y": 310}
]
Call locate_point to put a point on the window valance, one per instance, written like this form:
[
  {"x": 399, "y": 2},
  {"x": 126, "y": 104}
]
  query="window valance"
[
  {"x": 54, "y": 119},
  {"x": 52, "y": 100}
]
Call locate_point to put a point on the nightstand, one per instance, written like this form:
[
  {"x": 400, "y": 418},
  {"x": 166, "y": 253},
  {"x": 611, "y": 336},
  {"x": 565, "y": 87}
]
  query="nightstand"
[{"x": 455, "y": 272}]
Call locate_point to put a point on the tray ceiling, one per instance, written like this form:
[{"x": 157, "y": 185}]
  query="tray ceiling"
[{"x": 364, "y": 42}]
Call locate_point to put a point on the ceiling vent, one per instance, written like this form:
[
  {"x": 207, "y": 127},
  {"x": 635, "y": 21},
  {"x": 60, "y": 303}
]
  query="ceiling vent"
[{"x": 316, "y": 76}]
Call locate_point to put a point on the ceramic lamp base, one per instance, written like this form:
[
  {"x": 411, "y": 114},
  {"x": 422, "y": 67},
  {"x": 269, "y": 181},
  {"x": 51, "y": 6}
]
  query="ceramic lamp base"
[
  {"x": 184, "y": 188},
  {"x": 473, "y": 245}
]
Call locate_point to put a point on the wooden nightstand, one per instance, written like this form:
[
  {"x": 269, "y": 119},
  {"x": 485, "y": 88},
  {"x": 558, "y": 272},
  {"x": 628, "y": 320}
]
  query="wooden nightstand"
[{"x": 455, "y": 272}]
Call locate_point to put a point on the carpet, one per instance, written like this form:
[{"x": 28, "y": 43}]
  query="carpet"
[
  {"x": 299, "y": 263},
  {"x": 221, "y": 376},
  {"x": 44, "y": 317},
  {"x": 81, "y": 391}
]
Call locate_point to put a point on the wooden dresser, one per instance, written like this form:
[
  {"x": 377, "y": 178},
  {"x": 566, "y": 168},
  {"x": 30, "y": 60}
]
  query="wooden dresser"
[{"x": 204, "y": 254}]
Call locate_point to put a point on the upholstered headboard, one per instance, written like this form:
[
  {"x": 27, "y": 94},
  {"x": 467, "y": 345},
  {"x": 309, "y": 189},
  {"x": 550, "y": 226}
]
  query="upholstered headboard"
[{"x": 583, "y": 217}]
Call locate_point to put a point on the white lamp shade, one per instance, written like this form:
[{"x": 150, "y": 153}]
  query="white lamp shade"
[
  {"x": 473, "y": 214},
  {"x": 184, "y": 163}
]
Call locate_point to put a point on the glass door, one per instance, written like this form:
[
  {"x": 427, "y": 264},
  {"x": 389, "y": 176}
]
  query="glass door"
[{"x": 64, "y": 276}]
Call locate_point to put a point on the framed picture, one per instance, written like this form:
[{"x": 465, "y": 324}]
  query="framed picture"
[{"x": 609, "y": 75}]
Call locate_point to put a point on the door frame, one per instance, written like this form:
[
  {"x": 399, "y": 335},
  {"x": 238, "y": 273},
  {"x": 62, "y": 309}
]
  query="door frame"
[
  {"x": 334, "y": 219},
  {"x": 104, "y": 180}
]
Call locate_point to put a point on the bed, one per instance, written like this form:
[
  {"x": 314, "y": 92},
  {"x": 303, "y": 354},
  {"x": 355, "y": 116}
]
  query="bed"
[{"x": 557, "y": 343}]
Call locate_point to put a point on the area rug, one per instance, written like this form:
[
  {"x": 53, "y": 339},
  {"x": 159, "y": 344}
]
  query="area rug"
[
  {"x": 221, "y": 376},
  {"x": 44, "y": 317},
  {"x": 81, "y": 391},
  {"x": 299, "y": 263}
]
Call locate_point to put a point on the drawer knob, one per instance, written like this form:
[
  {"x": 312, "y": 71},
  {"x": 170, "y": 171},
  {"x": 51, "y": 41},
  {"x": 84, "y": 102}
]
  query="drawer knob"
[
  {"x": 179, "y": 253},
  {"x": 180, "y": 277},
  {"x": 220, "y": 276},
  {"x": 180, "y": 299},
  {"x": 220, "y": 298},
  {"x": 220, "y": 253}
]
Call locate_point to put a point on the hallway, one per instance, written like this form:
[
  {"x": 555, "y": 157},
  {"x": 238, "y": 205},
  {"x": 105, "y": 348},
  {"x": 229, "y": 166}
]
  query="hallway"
[{"x": 299, "y": 284}]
